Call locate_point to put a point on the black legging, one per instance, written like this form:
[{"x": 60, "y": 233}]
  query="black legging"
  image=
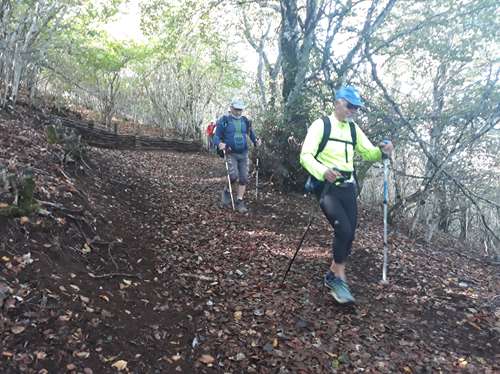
[{"x": 339, "y": 205}]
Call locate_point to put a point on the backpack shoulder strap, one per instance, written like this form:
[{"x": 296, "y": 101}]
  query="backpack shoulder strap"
[
  {"x": 248, "y": 123},
  {"x": 225, "y": 121},
  {"x": 327, "y": 128},
  {"x": 352, "y": 126}
]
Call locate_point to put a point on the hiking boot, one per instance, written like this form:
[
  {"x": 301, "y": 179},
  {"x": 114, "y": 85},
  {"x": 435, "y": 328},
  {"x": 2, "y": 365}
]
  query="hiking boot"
[
  {"x": 339, "y": 289},
  {"x": 225, "y": 198},
  {"x": 240, "y": 206}
]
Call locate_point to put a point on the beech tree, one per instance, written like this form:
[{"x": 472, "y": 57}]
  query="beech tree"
[
  {"x": 428, "y": 72},
  {"x": 449, "y": 109},
  {"x": 192, "y": 71},
  {"x": 429, "y": 78},
  {"x": 34, "y": 36},
  {"x": 25, "y": 32}
]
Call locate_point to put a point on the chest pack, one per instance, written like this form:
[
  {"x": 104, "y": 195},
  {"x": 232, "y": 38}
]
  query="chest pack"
[{"x": 312, "y": 184}]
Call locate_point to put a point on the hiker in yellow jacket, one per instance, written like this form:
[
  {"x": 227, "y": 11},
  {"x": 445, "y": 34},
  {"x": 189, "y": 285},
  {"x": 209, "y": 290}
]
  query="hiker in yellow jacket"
[{"x": 333, "y": 179}]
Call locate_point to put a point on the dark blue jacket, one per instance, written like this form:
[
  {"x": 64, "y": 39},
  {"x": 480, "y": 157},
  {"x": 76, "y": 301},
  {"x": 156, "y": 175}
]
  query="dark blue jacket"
[{"x": 234, "y": 133}]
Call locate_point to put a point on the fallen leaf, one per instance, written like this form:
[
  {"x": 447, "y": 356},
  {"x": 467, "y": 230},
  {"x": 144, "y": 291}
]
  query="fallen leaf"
[
  {"x": 268, "y": 348},
  {"x": 206, "y": 359},
  {"x": 475, "y": 325},
  {"x": 176, "y": 357},
  {"x": 106, "y": 314},
  {"x": 86, "y": 249},
  {"x": 104, "y": 297},
  {"x": 270, "y": 312},
  {"x": 75, "y": 287},
  {"x": 238, "y": 315},
  {"x": 18, "y": 329},
  {"x": 81, "y": 354},
  {"x": 24, "y": 220},
  {"x": 462, "y": 363},
  {"x": 40, "y": 355},
  {"x": 120, "y": 365}
]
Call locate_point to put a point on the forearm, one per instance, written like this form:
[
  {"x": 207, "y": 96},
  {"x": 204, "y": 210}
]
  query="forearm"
[
  {"x": 373, "y": 154},
  {"x": 366, "y": 149},
  {"x": 216, "y": 140},
  {"x": 253, "y": 138},
  {"x": 218, "y": 133},
  {"x": 313, "y": 167}
]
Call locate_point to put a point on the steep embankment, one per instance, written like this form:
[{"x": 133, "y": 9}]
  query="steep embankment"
[{"x": 134, "y": 268}]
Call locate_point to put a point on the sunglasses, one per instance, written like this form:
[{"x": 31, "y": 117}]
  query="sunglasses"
[{"x": 352, "y": 107}]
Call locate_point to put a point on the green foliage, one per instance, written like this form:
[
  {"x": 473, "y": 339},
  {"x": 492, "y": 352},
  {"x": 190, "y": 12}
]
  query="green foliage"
[
  {"x": 27, "y": 203},
  {"x": 50, "y": 132},
  {"x": 184, "y": 33},
  {"x": 106, "y": 56}
]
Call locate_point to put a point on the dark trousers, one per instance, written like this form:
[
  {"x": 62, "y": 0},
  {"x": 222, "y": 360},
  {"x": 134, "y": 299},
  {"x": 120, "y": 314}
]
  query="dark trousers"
[{"x": 338, "y": 203}]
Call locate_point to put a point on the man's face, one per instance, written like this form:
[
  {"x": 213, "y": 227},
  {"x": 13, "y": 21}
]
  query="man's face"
[
  {"x": 345, "y": 110},
  {"x": 236, "y": 112}
]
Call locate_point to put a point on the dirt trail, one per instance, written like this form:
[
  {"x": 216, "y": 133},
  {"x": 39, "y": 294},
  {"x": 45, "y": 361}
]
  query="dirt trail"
[{"x": 172, "y": 283}]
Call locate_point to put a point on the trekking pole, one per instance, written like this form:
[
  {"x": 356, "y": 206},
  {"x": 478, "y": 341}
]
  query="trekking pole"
[
  {"x": 298, "y": 248},
  {"x": 228, "y": 179},
  {"x": 326, "y": 187},
  {"x": 386, "y": 197},
  {"x": 257, "y": 178}
]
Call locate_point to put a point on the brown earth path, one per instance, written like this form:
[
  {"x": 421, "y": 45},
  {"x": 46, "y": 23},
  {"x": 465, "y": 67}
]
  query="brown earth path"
[{"x": 169, "y": 282}]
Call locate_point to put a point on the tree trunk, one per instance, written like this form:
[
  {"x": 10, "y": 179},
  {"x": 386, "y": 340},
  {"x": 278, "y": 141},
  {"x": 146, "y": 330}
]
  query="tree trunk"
[
  {"x": 289, "y": 42},
  {"x": 463, "y": 223},
  {"x": 296, "y": 47}
]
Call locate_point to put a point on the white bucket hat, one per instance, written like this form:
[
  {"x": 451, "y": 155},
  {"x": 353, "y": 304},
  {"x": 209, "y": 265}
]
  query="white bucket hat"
[{"x": 238, "y": 104}]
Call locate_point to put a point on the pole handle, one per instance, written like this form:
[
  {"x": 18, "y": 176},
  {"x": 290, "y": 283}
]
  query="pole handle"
[{"x": 384, "y": 156}]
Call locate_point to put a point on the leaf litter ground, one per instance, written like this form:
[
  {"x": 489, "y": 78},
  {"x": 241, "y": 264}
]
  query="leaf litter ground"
[{"x": 135, "y": 268}]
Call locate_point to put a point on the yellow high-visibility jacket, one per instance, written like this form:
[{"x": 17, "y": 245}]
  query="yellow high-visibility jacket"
[{"x": 336, "y": 154}]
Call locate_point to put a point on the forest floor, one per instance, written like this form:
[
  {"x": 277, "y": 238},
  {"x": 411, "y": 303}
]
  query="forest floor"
[{"x": 135, "y": 268}]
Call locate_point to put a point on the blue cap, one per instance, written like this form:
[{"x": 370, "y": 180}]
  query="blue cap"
[{"x": 350, "y": 94}]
